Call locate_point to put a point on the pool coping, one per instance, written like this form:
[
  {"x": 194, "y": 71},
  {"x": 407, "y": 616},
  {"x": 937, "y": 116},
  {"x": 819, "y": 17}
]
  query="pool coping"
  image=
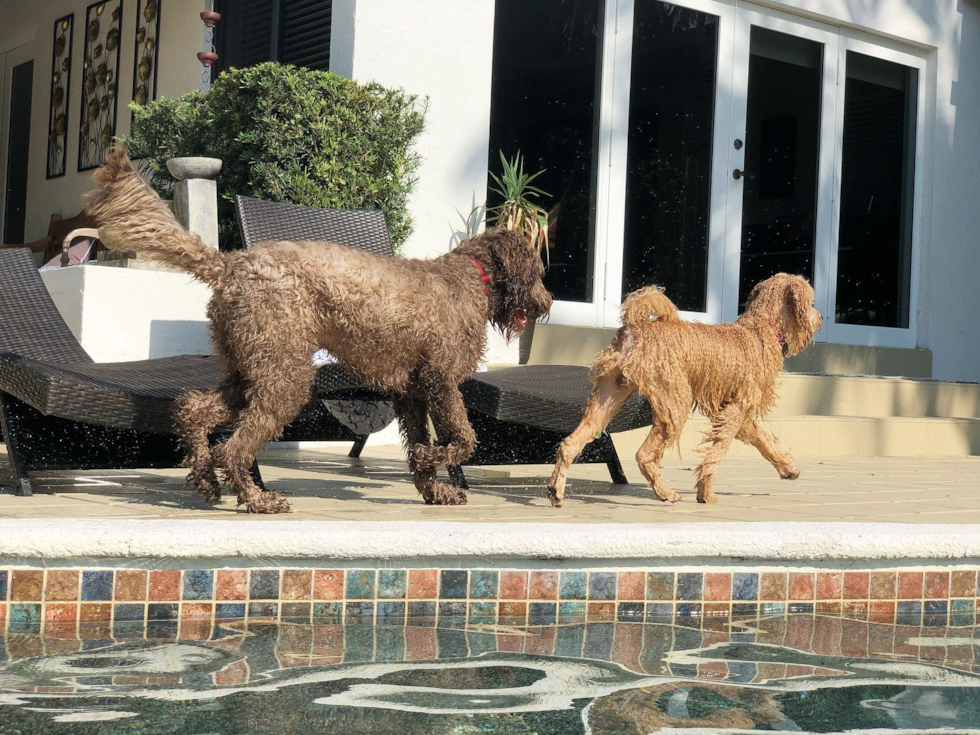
[{"x": 47, "y": 539}]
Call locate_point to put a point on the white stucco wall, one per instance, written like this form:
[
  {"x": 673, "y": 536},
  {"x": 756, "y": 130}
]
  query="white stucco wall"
[
  {"x": 181, "y": 37},
  {"x": 121, "y": 314},
  {"x": 442, "y": 50}
]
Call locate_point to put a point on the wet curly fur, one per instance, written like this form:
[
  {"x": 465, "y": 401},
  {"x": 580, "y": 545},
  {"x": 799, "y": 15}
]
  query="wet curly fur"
[
  {"x": 411, "y": 328},
  {"x": 726, "y": 371}
]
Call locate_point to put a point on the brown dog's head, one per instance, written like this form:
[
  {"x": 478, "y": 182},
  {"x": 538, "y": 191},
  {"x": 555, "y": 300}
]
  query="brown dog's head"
[
  {"x": 787, "y": 303},
  {"x": 515, "y": 271}
]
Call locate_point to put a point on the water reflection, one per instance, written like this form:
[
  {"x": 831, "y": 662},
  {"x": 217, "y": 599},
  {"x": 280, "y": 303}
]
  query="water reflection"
[{"x": 806, "y": 673}]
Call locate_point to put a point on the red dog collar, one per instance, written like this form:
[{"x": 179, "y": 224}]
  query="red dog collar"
[
  {"x": 780, "y": 337},
  {"x": 483, "y": 277}
]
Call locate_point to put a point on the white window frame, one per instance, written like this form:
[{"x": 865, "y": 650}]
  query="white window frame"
[{"x": 853, "y": 334}]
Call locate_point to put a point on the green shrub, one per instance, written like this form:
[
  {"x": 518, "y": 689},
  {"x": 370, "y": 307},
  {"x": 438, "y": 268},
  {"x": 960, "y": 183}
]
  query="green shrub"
[{"x": 290, "y": 135}]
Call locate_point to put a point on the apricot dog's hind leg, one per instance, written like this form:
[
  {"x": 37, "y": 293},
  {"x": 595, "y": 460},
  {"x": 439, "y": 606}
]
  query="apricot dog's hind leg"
[
  {"x": 649, "y": 457},
  {"x": 609, "y": 393}
]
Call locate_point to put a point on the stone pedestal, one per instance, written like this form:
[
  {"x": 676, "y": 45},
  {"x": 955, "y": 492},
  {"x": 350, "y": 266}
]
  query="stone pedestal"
[{"x": 196, "y": 195}]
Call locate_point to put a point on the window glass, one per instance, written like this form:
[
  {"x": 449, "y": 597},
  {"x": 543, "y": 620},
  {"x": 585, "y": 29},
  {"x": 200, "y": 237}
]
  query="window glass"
[
  {"x": 544, "y": 105},
  {"x": 874, "y": 260},
  {"x": 782, "y": 145},
  {"x": 668, "y": 185}
]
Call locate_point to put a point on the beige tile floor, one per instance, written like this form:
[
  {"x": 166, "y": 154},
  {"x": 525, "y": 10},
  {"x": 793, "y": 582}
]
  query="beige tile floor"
[{"x": 326, "y": 485}]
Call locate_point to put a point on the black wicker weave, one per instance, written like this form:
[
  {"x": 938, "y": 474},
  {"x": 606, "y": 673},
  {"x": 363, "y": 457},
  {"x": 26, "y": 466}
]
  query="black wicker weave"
[{"x": 262, "y": 221}]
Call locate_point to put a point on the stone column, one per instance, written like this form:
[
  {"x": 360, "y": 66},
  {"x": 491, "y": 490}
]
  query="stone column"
[{"x": 196, "y": 195}]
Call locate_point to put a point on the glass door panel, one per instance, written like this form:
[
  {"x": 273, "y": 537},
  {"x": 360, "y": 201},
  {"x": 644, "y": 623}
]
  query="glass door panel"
[
  {"x": 782, "y": 141},
  {"x": 545, "y": 105},
  {"x": 874, "y": 255},
  {"x": 668, "y": 184},
  {"x": 667, "y": 154},
  {"x": 781, "y": 155}
]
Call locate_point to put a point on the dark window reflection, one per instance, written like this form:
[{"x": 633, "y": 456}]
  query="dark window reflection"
[
  {"x": 668, "y": 186},
  {"x": 544, "y": 104},
  {"x": 874, "y": 256},
  {"x": 782, "y": 141}
]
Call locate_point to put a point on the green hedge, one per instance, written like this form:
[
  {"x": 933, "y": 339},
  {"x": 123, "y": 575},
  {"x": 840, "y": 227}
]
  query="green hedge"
[{"x": 290, "y": 135}]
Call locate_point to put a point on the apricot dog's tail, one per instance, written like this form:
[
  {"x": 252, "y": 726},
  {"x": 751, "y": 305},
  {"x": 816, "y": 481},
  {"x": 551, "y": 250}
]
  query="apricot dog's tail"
[
  {"x": 130, "y": 216},
  {"x": 648, "y": 302}
]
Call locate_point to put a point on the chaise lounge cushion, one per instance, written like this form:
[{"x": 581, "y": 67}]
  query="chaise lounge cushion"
[
  {"x": 549, "y": 397},
  {"x": 125, "y": 395}
]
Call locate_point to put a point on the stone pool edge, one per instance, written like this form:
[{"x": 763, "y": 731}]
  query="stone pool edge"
[{"x": 44, "y": 540}]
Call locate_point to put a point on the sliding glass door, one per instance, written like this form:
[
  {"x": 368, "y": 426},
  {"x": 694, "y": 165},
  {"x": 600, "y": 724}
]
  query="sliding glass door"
[{"x": 704, "y": 145}]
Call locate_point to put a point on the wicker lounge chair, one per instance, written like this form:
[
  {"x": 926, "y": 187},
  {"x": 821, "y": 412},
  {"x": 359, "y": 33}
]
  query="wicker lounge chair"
[
  {"x": 520, "y": 414},
  {"x": 61, "y": 410}
]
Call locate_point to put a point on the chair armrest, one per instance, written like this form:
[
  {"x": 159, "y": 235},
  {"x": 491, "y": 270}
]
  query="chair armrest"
[{"x": 89, "y": 232}]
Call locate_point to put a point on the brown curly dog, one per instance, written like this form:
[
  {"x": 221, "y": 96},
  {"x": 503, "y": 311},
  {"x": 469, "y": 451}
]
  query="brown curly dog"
[
  {"x": 411, "y": 328},
  {"x": 725, "y": 371}
]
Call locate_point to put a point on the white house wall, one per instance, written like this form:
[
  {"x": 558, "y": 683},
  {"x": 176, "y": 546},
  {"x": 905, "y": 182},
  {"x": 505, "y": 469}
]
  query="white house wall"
[{"x": 181, "y": 37}]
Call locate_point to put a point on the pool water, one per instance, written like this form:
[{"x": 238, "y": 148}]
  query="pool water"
[{"x": 788, "y": 673}]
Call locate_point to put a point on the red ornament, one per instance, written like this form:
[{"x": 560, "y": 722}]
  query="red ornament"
[
  {"x": 207, "y": 57},
  {"x": 210, "y": 18}
]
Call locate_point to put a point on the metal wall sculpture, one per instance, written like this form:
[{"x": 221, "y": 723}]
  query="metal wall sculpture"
[
  {"x": 61, "y": 53},
  {"x": 147, "y": 52},
  {"x": 100, "y": 82}
]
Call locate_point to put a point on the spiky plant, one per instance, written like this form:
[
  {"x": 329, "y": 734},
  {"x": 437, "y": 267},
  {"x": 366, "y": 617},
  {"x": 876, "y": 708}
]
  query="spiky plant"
[{"x": 520, "y": 209}]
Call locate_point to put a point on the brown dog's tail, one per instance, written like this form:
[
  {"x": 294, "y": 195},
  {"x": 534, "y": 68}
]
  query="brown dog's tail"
[
  {"x": 130, "y": 216},
  {"x": 645, "y": 303}
]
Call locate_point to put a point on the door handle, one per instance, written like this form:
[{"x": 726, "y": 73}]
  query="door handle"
[{"x": 737, "y": 174}]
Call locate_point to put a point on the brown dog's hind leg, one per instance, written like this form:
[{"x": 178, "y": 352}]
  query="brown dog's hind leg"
[
  {"x": 649, "y": 457},
  {"x": 768, "y": 447},
  {"x": 195, "y": 415},
  {"x": 609, "y": 393},
  {"x": 413, "y": 417},
  {"x": 719, "y": 438},
  {"x": 277, "y": 392}
]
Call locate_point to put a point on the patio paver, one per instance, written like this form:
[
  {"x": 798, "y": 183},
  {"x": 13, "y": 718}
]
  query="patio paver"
[{"x": 326, "y": 485}]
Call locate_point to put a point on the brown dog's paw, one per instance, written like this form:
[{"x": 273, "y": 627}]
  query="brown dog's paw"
[
  {"x": 445, "y": 494},
  {"x": 709, "y": 498},
  {"x": 556, "y": 502},
  {"x": 269, "y": 502},
  {"x": 792, "y": 473}
]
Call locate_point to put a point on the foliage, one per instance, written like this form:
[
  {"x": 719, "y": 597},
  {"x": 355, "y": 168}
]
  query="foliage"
[
  {"x": 518, "y": 211},
  {"x": 290, "y": 135}
]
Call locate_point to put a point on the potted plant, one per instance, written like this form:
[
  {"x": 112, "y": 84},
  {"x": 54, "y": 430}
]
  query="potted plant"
[{"x": 520, "y": 210}]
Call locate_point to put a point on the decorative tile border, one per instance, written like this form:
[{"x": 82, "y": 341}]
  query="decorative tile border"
[{"x": 32, "y": 600}]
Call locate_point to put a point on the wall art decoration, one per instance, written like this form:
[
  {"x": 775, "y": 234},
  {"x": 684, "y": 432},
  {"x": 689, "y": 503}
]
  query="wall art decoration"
[
  {"x": 147, "y": 51},
  {"x": 61, "y": 53},
  {"x": 100, "y": 82}
]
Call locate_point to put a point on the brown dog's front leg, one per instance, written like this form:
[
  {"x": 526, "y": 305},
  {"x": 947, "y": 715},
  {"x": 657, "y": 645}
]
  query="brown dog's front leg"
[{"x": 413, "y": 417}]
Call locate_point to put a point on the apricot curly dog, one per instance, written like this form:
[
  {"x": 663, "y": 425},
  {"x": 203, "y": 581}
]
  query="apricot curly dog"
[
  {"x": 411, "y": 328},
  {"x": 725, "y": 371}
]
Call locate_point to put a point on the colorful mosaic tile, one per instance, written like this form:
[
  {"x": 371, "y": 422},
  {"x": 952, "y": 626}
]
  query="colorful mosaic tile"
[
  {"x": 452, "y": 584},
  {"x": 55, "y": 598},
  {"x": 264, "y": 584},
  {"x": 392, "y": 584},
  {"x": 483, "y": 584}
]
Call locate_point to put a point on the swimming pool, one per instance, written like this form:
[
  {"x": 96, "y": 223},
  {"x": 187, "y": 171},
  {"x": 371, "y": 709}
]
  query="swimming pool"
[{"x": 809, "y": 673}]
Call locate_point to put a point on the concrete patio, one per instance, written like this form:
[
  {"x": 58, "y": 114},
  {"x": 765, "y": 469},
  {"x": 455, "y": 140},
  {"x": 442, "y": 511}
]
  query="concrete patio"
[{"x": 324, "y": 484}]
